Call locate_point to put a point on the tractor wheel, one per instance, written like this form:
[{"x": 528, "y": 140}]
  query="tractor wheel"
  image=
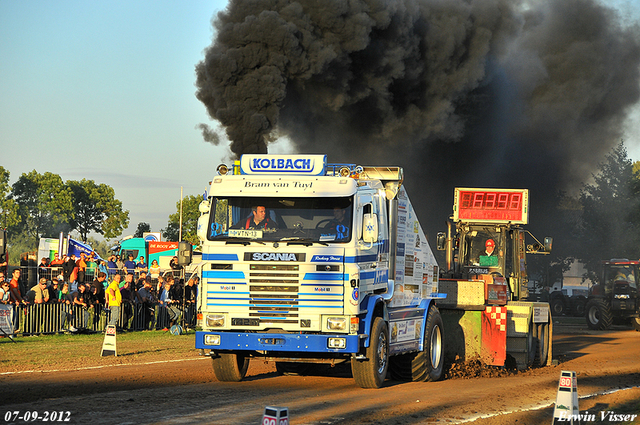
[
  {"x": 542, "y": 353},
  {"x": 372, "y": 372},
  {"x": 292, "y": 369},
  {"x": 557, "y": 307},
  {"x": 428, "y": 364},
  {"x": 598, "y": 314},
  {"x": 578, "y": 307},
  {"x": 230, "y": 367}
]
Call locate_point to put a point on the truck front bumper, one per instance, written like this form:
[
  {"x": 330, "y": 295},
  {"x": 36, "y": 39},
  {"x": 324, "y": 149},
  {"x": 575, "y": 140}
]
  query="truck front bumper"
[{"x": 308, "y": 343}]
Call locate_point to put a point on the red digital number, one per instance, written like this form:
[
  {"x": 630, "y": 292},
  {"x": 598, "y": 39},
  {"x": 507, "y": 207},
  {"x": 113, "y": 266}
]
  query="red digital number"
[
  {"x": 466, "y": 200},
  {"x": 503, "y": 200},
  {"x": 490, "y": 201},
  {"x": 478, "y": 200},
  {"x": 516, "y": 199}
]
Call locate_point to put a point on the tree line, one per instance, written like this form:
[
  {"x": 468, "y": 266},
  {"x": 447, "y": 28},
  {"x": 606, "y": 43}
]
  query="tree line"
[{"x": 43, "y": 205}]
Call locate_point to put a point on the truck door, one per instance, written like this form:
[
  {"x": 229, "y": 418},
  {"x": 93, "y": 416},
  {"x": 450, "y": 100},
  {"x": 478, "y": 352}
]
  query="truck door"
[{"x": 372, "y": 256}]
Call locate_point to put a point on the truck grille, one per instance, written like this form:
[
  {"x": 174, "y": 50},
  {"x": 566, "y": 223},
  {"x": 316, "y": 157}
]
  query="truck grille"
[{"x": 274, "y": 293}]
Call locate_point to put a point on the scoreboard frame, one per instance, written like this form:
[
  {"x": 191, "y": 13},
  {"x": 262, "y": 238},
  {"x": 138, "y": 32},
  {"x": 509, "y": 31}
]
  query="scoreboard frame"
[{"x": 482, "y": 205}]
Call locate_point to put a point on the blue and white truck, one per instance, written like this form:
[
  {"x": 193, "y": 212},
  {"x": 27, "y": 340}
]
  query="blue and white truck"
[{"x": 305, "y": 262}]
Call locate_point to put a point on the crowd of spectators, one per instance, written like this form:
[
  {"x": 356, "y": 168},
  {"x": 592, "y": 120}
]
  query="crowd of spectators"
[{"x": 122, "y": 290}]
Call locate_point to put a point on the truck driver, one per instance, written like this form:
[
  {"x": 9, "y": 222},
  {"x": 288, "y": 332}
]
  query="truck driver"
[{"x": 257, "y": 220}]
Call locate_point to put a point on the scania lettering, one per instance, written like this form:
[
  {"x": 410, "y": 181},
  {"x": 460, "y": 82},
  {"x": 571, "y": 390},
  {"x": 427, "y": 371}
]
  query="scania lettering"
[{"x": 304, "y": 262}]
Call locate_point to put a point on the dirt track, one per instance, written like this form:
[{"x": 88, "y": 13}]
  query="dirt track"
[{"x": 185, "y": 392}]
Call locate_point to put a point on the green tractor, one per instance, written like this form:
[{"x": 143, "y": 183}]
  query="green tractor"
[{"x": 615, "y": 299}]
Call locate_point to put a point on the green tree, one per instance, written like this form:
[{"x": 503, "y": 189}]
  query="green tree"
[
  {"x": 8, "y": 207},
  {"x": 44, "y": 203},
  {"x": 96, "y": 209},
  {"x": 142, "y": 229},
  {"x": 190, "y": 215},
  {"x": 609, "y": 224}
]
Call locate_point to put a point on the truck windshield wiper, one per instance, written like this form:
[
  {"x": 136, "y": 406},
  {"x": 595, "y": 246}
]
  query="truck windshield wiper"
[
  {"x": 301, "y": 241},
  {"x": 243, "y": 241}
]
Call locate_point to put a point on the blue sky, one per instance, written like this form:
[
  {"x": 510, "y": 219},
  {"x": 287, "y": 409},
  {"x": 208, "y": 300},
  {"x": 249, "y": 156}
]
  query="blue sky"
[{"x": 104, "y": 90}]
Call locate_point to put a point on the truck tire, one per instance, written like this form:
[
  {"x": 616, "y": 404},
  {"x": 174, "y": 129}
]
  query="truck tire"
[
  {"x": 635, "y": 323},
  {"x": 230, "y": 367},
  {"x": 372, "y": 372},
  {"x": 598, "y": 314},
  {"x": 292, "y": 369},
  {"x": 428, "y": 364}
]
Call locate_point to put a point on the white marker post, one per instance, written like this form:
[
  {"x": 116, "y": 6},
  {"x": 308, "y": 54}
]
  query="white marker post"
[
  {"x": 566, "y": 410},
  {"x": 109, "y": 344},
  {"x": 275, "y": 416}
]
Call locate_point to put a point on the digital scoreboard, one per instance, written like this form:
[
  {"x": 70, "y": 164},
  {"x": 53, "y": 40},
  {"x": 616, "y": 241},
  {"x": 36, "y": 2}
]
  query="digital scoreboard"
[{"x": 491, "y": 205}]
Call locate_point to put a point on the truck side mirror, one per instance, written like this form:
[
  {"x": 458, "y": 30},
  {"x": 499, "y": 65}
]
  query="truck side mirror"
[
  {"x": 548, "y": 244},
  {"x": 441, "y": 241},
  {"x": 370, "y": 228},
  {"x": 184, "y": 253}
]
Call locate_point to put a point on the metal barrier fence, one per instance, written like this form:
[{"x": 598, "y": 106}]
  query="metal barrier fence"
[{"x": 51, "y": 318}]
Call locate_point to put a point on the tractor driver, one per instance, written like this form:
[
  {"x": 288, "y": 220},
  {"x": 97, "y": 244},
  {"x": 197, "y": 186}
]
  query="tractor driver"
[{"x": 489, "y": 257}]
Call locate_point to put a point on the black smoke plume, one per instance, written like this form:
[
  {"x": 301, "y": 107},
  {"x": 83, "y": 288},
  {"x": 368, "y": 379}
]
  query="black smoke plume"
[{"x": 489, "y": 93}]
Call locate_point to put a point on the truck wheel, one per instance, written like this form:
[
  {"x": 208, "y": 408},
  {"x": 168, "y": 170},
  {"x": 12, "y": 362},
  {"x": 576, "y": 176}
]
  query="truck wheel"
[
  {"x": 230, "y": 367},
  {"x": 635, "y": 322},
  {"x": 372, "y": 372},
  {"x": 598, "y": 314},
  {"x": 428, "y": 364},
  {"x": 292, "y": 369}
]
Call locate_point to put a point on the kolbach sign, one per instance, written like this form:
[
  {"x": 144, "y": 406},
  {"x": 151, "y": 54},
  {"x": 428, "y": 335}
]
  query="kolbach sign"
[{"x": 309, "y": 165}]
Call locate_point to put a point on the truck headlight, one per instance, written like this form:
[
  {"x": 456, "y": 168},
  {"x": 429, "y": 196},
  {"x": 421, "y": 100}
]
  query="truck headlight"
[
  {"x": 215, "y": 320},
  {"x": 336, "y": 323},
  {"x": 212, "y": 339},
  {"x": 339, "y": 343}
]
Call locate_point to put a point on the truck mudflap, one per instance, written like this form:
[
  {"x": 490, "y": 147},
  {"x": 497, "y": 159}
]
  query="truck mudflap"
[{"x": 309, "y": 343}]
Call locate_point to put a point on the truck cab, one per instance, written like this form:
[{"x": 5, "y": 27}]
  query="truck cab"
[{"x": 305, "y": 262}]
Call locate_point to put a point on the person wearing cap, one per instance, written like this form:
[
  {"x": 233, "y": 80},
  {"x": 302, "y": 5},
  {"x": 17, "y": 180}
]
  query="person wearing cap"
[
  {"x": 41, "y": 291},
  {"x": 489, "y": 256}
]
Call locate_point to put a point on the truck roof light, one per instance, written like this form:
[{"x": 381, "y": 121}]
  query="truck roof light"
[{"x": 222, "y": 169}]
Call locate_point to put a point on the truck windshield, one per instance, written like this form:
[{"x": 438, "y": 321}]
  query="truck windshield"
[{"x": 306, "y": 220}]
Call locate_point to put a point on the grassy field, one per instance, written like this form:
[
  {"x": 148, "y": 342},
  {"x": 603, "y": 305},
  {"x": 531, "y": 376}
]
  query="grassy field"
[{"x": 54, "y": 352}]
